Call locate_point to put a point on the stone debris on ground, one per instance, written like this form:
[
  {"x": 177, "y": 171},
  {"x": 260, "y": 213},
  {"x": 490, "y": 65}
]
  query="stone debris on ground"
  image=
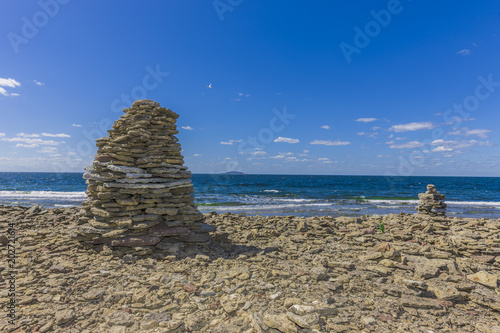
[
  {"x": 259, "y": 274},
  {"x": 139, "y": 191}
]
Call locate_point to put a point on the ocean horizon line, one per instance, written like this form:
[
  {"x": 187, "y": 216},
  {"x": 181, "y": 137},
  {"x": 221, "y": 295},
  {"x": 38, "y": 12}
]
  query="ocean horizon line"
[{"x": 274, "y": 174}]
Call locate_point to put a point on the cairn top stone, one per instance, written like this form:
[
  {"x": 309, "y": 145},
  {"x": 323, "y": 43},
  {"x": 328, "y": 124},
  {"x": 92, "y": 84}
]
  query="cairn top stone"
[{"x": 145, "y": 102}]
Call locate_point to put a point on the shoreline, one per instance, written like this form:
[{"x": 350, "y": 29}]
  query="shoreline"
[
  {"x": 291, "y": 274},
  {"x": 312, "y": 207}
]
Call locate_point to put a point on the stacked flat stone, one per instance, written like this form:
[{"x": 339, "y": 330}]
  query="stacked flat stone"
[
  {"x": 431, "y": 202},
  {"x": 139, "y": 191}
]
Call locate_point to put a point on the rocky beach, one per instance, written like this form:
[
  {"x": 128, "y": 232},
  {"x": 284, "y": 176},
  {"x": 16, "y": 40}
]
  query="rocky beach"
[
  {"x": 258, "y": 274},
  {"x": 138, "y": 256}
]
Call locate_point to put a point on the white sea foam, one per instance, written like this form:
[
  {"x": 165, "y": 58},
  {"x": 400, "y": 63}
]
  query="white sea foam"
[
  {"x": 272, "y": 191},
  {"x": 267, "y": 207},
  {"x": 42, "y": 195},
  {"x": 294, "y": 200},
  {"x": 457, "y": 203},
  {"x": 392, "y": 202},
  {"x": 474, "y": 203}
]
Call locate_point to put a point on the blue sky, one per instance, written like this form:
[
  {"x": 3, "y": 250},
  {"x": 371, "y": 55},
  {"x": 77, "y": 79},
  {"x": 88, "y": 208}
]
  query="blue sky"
[{"x": 326, "y": 87}]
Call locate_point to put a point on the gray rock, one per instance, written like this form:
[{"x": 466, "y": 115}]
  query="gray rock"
[
  {"x": 280, "y": 322},
  {"x": 64, "y": 316},
  {"x": 125, "y": 169},
  {"x": 120, "y": 318},
  {"x": 4, "y": 240}
]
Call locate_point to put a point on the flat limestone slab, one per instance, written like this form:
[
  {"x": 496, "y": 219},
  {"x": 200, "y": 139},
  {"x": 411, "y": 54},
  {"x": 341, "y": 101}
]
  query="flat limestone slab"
[
  {"x": 125, "y": 169},
  {"x": 150, "y": 185}
]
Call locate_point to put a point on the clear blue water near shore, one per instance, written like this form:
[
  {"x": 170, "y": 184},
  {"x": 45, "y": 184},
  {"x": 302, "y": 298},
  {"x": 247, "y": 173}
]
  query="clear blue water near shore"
[{"x": 299, "y": 195}]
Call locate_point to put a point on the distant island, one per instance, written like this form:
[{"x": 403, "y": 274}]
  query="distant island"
[{"x": 233, "y": 173}]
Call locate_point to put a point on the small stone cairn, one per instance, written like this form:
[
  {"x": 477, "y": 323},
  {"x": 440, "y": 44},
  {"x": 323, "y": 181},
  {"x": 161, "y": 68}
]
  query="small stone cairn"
[
  {"x": 139, "y": 191},
  {"x": 431, "y": 202}
]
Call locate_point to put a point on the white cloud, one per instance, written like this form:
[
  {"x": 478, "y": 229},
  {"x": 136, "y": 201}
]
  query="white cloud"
[
  {"x": 411, "y": 144},
  {"x": 330, "y": 143},
  {"x": 286, "y": 140},
  {"x": 22, "y": 145},
  {"x": 305, "y": 151},
  {"x": 442, "y": 149},
  {"x": 368, "y": 135},
  {"x": 459, "y": 144},
  {"x": 24, "y": 135},
  {"x": 2, "y": 135},
  {"x": 327, "y": 127},
  {"x": 31, "y": 141},
  {"x": 323, "y": 159},
  {"x": 48, "y": 150},
  {"x": 230, "y": 142},
  {"x": 283, "y": 155},
  {"x": 9, "y": 83},
  {"x": 76, "y": 125},
  {"x": 458, "y": 120},
  {"x": 197, "y": 155},
  {"x": 464, "y": 52},
  {"x": 258, "y": 153},
  {"x": 38, "y": 83},
  {"x": 189, "y": 128},
  {"x": 366, "y": 120},
  {"x": 59, "y": 135},
  {"x": 412, "y": 126},
  {"x": 481, "y": 133}
]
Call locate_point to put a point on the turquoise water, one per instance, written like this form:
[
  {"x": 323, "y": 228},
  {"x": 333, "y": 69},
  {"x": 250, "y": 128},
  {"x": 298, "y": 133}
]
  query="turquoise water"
[{"x": 282, "y": 194}]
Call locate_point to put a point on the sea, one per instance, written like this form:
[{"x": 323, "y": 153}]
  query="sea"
[{"x": 269, "y": 195}]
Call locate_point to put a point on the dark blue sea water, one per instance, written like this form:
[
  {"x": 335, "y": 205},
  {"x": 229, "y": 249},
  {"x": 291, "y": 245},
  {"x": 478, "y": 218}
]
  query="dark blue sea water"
[{"x": 298, "y": 195}]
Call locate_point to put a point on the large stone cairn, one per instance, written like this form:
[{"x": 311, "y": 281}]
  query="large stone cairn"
[
  {"x": 431, "y": 202},
  {"x": 139, "y": 192}
]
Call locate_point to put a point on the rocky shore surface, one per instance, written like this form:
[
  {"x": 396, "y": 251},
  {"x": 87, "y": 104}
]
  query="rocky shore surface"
[{"x": 396, "y": 273}]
